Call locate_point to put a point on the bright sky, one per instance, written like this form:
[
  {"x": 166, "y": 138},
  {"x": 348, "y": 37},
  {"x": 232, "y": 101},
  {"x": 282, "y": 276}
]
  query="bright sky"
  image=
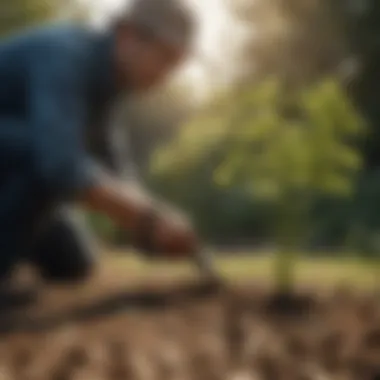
[{"x": 215, "y": 37}]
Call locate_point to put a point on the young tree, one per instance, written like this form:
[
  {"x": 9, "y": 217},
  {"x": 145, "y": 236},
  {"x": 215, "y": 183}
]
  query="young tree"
[
  {"x": 282, "y": 148},
  {"x": 290, "y": 150}
]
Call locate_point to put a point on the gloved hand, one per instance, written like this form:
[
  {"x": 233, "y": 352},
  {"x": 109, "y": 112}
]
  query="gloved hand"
[{"x": 155, "y": 228}]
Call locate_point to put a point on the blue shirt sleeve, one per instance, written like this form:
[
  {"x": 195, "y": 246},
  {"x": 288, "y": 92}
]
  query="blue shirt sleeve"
[{"x": 58, "y": 114}]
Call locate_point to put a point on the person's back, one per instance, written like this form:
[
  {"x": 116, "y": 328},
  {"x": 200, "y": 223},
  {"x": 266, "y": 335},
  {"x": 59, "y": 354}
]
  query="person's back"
[
  {"x": 18, "y": 56},
  {"x": 76, "y": 54},
  {"x": 13, "y": 79}
]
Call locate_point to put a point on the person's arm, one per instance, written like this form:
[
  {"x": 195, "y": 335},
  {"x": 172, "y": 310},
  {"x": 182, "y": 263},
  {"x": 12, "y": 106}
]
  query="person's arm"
[
  {"x": 155, "y": 227},
  {"x": 120, "y": 142},
  {"x": 124, "y": 203},
  {"x": 110, "y": 144}
]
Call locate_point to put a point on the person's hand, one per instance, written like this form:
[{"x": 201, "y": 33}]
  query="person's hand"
[
  {"x": 155, "y": 228},
  {"x": 167, "y": 233}
]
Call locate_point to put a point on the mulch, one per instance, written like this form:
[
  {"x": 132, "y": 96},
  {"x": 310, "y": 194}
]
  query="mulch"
[{"x": 188, "y": 331}]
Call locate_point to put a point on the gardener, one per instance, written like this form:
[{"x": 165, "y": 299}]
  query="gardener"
[{"x": 58, "y": 84}]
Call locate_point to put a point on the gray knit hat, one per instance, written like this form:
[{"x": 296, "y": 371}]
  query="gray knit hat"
[{"x": 170, "y": 20}]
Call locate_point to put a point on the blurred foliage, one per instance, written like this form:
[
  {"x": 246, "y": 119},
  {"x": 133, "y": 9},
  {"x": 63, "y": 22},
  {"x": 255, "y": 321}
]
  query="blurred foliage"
[
  {"x": 279, "y": 148},
  {"x": 16, "y": 15},
  {"x": 297, "y": 40},
  {"x": 292, "y": 142},
  {"x": 104, "y": 227},
  {"x": 153, "y": 119},
  {"x": 361, "y": 23},
  {"x": 19, "y": 14},
  {"x": 301, "y": 43}
]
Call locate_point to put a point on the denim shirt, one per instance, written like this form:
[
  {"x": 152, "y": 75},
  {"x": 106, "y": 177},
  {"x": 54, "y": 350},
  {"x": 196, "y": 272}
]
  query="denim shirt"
[{"x": 60, "y": 83}]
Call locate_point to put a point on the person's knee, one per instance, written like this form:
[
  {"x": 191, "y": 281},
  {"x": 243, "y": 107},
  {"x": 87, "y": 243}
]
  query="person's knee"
[
  {"x": 66, "y": 252},
  {"x": 67, "y": 271}
]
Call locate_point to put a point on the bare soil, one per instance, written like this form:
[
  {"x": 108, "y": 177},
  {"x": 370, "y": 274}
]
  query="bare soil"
[{"x": 185, "y": 331}]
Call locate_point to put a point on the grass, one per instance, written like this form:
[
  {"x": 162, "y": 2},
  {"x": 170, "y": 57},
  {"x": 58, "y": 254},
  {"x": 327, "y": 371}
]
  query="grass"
[{"x": 325, "y": 272}]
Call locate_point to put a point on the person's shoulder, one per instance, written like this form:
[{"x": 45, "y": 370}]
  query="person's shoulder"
[{"x": 61, "y": 39}]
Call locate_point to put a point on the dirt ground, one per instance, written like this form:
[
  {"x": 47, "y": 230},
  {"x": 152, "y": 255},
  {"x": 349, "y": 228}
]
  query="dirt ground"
[{"x": 172, "y": 331}]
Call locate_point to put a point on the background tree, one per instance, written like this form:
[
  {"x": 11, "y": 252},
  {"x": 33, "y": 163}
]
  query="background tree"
[{"x": 18, "y": 14}]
